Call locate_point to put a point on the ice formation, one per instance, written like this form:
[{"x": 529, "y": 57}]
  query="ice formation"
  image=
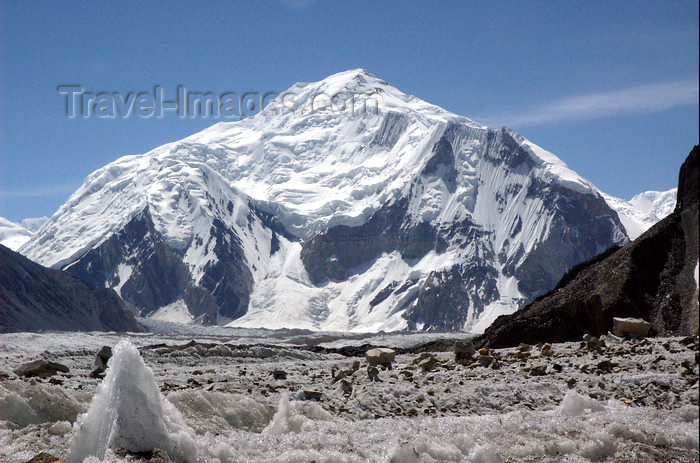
[{"x": 129, "y": 412}]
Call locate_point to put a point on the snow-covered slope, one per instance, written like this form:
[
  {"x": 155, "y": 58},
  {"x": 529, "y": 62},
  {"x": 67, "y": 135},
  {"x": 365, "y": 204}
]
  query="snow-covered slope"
[
  {"x": 644, "y": 210},
  {"x": 659, "y": 204},
  {"x": 14, "y": 234},
  {"x": 377, "y": 212}
]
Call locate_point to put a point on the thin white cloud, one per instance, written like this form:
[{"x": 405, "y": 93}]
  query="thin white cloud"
[
  {"x": 54, "y": 190},
  {"x": 640, "y": 99}
]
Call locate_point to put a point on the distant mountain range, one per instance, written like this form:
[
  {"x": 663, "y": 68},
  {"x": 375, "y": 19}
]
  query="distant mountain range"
[
  {"x": 644, "y": 210},
  {"x": 344, "y": 218},
  {"x": 14, "y": 234}
]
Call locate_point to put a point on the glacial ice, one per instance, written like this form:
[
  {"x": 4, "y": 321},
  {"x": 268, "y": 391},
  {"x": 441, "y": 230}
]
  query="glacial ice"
[
  {"x": 227, "y": 423},
  {"x": 574, "y": 404},
  {"x": 129, "y": 412}
]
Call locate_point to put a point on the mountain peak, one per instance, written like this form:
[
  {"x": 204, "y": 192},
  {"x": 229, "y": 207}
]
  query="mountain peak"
[{"x": 328, "y": 211}]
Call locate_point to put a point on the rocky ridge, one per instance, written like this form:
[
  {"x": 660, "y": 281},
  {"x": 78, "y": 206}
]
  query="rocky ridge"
[
  {"x": 653, "y": 278},
  {"x": 33, "y": 298}
]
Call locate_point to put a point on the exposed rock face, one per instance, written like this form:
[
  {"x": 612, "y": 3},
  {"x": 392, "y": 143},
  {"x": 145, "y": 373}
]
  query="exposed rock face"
[
  {"x": 652, "y": 278},
  {"x": 449, "y": 298},
  {"x": 157, "y": 275},
  {"x": 34, "y": 298}
]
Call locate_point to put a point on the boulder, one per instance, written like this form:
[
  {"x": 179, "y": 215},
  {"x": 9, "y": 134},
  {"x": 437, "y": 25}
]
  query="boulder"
[
  {"x": 101, "y": 359},
  {"x": 312, "y": 395},
  {"x": 341, "y": 374},
  {"x": 630, "y": 327},
  {"x": 538, "y": 369},
  {"x": 546, "y": 350},
  {"x": 429, "y": 363},
  {"x": 279, "y": 374},
  {"x": 380, "y": 356},
  {"x": 464, "y": 350},
  {"x": 41, "y": 368}
]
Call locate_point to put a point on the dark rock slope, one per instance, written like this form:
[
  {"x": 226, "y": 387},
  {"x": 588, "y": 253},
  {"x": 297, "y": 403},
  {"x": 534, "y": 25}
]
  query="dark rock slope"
[
  {"x": 651, "y": 278},
  {"x": 35, "y": 298}
]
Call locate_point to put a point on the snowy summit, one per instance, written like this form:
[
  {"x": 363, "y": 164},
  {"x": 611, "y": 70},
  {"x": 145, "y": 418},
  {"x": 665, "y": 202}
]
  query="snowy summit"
[{"x": 346, "y": 205}]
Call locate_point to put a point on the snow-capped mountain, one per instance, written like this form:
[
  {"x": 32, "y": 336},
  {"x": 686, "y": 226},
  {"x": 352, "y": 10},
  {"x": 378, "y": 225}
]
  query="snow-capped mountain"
[
  {"x": 644, "y": 210},
  {"x": 659, "y": 204},
  {"x": 15, "y": 234},
  {"x": 377, "y": 212}
]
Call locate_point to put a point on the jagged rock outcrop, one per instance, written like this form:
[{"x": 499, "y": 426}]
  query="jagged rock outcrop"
[
  {"x": 653, "y": 278},
  {"x": 34, "y": 298}
]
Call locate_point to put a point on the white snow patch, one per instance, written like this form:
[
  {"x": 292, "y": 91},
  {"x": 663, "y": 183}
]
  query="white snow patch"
[{"x": 177, "y": 312}]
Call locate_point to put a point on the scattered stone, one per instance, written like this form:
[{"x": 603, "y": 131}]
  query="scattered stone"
[
  {"x": 546, "y": 350},
  {"x": 373, "y": 373},
  {"x": 571, "y": 383},
  {"x": 41, "y": 369},
  {"x": 380, "y": 356},
  {"x": 341, "y": 374},
  {"x": 483, "y": 351},
  {"x": 606, "y": 365},
  {"x": 522, "y": 355},
  {"x": 421, "y": 357},
  {"x": 279, "y": 374},
  {"x": 100, "y": 362},
  {"x": 355, "y": 365},
  {"x": 152, "y": 456},
  {"x": 428, "y": 363},
  {"x": 346, "y": 386},
  {"x": 44, "y": 457},
  {"x": 538, "y": 369},
  {"x": 557, "y": 367},
  {"x": 630, "y": 327},
  {"x": 591, "y": 343},
  {"x": 485, "y": 360},
  {"x": 312, "y": 395},
  {"x": 464, "y": 351}
]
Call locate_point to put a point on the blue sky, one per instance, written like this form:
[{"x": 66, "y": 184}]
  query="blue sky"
[{"x": 609, "y": 87}]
